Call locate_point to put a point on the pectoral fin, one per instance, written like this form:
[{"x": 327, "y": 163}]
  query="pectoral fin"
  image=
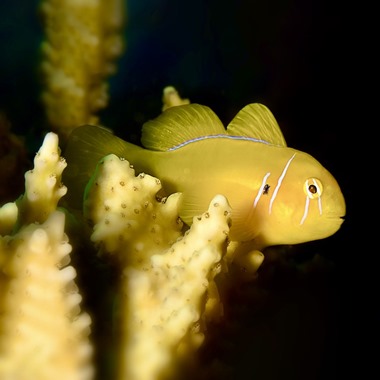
[
  {"x": 194, "y": 203},
  {"x": 197, "y": 196}
]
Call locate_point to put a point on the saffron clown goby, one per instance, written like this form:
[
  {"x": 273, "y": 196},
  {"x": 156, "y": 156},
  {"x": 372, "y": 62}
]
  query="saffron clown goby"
[{"x": 278, "y": 195}]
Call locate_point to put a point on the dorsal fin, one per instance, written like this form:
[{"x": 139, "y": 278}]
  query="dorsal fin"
[
  {"x": 255, "y": 120},
  {"x": 179, "y": 124}
]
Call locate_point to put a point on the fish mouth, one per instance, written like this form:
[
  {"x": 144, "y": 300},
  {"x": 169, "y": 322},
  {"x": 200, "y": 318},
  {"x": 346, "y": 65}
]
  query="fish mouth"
[
  {"x": 340, "y": 220},
  {"x": 337, "y": 219}
]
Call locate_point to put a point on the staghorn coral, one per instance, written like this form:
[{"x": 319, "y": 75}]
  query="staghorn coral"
[
  {"x": 120, "y": 204},
  {"x": 167, "y": 291},
  {"x": 82, "y": 41},
  {"x": 43, "y": 333},
  {"x": 43, "y": 186},
  {"x": 171, "y": 98},
  {"x": 167, "y": 287}
]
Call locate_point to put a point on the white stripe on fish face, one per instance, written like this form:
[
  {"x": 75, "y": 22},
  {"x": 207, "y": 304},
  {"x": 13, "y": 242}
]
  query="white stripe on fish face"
[
  {"x": 279, "y": 182},
  {"x": 306, "y": 212},
  {"x": 261, "y": 190},
  {"x": 319, "y": 198}
]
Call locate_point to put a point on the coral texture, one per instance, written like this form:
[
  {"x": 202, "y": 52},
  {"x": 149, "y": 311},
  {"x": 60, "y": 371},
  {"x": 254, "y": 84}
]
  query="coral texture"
[
  {"x": 43, "y": 186},
  {"x": 82, "y": 41},
  {"x": 171, "y": 98},
  {"x": 167, "y": 289},
  {"x": 167, "y": 283},
  {"x": 43, "y": 333}
]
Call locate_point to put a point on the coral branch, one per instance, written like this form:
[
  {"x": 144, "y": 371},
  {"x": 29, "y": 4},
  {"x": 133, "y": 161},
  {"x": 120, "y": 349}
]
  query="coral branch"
[
  {"x": 82, "y": 41},
  {"x": 171, "y": 98},
  {"x": 43, "y": 186},
  {"x": 166, "y": 303},
  {"x": 166, "y": 276},
  {"x": 43, "y": 333}
]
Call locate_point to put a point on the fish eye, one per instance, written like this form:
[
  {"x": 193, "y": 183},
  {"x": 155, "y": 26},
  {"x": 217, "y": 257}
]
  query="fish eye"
[{"x": 313, "y": 188}]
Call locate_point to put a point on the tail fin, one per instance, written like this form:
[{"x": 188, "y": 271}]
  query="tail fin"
[{"x": 87, "y": 145}]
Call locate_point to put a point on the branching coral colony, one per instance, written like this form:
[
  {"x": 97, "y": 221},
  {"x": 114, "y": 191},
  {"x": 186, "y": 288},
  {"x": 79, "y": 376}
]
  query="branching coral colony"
[
  {"x": 43, "y": 333},
  {"x": 167, "y": 277},
  {"x": 167, "y": 288},
  {"x": 82, "y": 41}
]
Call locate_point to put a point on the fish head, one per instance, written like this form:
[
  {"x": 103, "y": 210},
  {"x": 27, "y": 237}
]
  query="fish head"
[{"x": 305, "y": 203}]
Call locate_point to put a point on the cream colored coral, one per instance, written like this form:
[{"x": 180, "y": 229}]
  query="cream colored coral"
[
  {"x": 8, "y": 218},
  {"x": 126, "y": 214},
  {"x": 171, "y": 98},
  {"x": 43, "y": 186},
  {"x": 168, "y": 300},
  {"x": 43, "y": 334},
  {"x": 82, "y": 41},
  {"x": 165, "y": 282}
]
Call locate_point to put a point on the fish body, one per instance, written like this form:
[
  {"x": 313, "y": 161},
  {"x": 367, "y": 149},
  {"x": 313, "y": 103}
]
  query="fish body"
[{"x": 278, "y": 195}]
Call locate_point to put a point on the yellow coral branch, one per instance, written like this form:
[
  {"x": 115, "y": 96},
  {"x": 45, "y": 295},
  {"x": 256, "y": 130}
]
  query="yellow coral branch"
[
  {"x": 43, "y": 333},
  {"x": 166, "y": 276},
  {"x": 166, "y": 303},
  {"x": 43, "y": 186},
  {"x": 128, "y": 220},
  {"x": 82, "y": 41},
  {"x": 171, "y": 98}
]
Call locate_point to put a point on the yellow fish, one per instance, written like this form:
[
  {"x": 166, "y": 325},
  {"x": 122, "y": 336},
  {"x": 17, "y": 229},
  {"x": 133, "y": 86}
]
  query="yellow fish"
[{"x": 278, "y": 195}]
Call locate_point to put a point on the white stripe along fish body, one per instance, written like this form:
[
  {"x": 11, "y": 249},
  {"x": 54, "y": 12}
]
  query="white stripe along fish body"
[{"x": 278, "y": 195}]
